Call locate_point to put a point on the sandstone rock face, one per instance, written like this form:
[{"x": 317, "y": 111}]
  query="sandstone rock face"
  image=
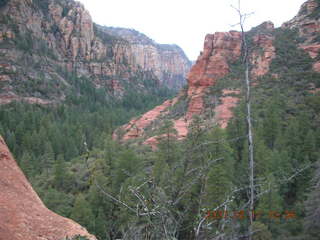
[
  {"x": 308, "y": 24},
  {"x": 261, "y": 61},
  {"x": 22, "y": 213},
  {"x": 135, "y": 128},
  {"x": 168, "y": 62},
  {"x": 223, "y": 112},
  {"x": 219, "y": 52},
  {"x": 47, "y": 42},
  {"x": 219, "y": 49}
]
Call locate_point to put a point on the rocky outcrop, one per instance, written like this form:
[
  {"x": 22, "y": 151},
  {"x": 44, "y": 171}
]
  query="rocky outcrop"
[
  {"x": 223, "y": 112},
  {"x": 261, "y": 58},
  {"x": 136, "y": 127},
  {"x": 220, "y": 51},
  {"x": 43, "y": 43},
  {"x": 168, "y": 62},
  {"x": 307, "y": 22},
  {"x": 22, "y": 213}
]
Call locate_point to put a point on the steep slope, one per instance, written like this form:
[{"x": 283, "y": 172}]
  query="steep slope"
[
  {"x": 277, "y": 57},
  {"x": 307, "y": 23},
  {"x": 221, "y": 51},
  {"x": 168, "y": 62},
  {"x": 45, "y": 46},
  {"x": 23, "y": 216}
]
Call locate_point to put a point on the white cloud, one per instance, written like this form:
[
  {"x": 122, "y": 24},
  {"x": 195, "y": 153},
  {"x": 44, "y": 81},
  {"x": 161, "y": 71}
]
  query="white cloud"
[{"x": 186, "y": 22}]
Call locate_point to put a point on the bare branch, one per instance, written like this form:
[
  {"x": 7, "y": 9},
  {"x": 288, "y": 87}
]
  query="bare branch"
[{"x": 113, "y": 198}]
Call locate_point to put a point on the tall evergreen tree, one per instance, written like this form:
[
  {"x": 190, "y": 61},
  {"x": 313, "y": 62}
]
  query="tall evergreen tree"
[
  {"x": 59, "y": 172},
  {"x": 82, "y": 212},
  {"x": 47, "y": 158},
  {"x": 312, "y": 205}
]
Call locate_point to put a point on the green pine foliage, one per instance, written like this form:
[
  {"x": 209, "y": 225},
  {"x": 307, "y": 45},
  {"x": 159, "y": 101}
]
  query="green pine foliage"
[
  {"x": 312, "y": 204},
  {"x": 130, "y": 192},
  {"x": 82, "y": 212}
]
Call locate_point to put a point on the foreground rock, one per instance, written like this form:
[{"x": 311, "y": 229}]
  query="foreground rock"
[{"x": 23, "y": 216}]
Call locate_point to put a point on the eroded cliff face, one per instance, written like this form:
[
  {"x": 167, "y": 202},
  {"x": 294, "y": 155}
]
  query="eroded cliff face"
[
  {"x": 42, "y": 44},
  {"x": 168, "y": 62},
  {"x": 221, "y": 50},
  {"x": 265, "y": 52},
  {"x": 22, "y": 213},
  {"x": 307, "y": 23}
]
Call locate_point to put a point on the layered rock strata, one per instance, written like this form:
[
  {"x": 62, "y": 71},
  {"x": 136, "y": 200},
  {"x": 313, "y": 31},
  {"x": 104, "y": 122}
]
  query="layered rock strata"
[
  {"x": 43, "y": 43},
  {"x": 212, "y": 64},
  {"x": 307, "y": 22},
  {"x": 168, "y": 62},
  {"x": 220, "y": 51}
]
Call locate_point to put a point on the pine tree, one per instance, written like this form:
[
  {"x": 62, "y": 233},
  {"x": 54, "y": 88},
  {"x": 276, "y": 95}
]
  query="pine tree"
[
  {"x": 218, "y": 186},
  {"x": 309, "y": 148},
  {"x": 26, "y": 164},
  {"x": 260, "y": 231},
  {"x": 126, "y": 166},
  {"x": 271, "y": 125},
  {"x": 47, "y": 158},
  {"x": 59, "y": 172},
  {"x": 10, "y": 139},
  {"x": 58, "y": 202},
  {"x": 101, "y": 229},
  {"x": 312, "y": 206},
  {"x": 167, "y": 139},
  {"x": 82, "y": 213}
]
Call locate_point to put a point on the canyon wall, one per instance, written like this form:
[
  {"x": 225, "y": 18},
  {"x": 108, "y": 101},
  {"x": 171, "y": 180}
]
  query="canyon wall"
[
  {"x": 44, "y": 43},
  {"x": 168, "y": 62},
  {"x": 220, "y": 62},
  {"x": 221, "y": 51},
  {"x": 307, "y": 23}
]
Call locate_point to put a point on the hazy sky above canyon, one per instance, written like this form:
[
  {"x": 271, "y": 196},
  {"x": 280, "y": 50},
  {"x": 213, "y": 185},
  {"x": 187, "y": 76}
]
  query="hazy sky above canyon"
[{"x": 186, "y": 22}]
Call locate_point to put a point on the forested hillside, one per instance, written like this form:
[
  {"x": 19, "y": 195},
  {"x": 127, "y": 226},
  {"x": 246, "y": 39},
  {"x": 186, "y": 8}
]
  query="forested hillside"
[{"x": 46, "y": 45}]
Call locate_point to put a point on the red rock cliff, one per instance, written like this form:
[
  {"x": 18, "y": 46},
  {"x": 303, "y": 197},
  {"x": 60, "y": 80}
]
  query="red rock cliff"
[
  {"x": 45, "y": 42},
  {"x": 23, "y": 216},
  {"x": 168, "y": 62},
  {"x": 220, "y": 51},
  {"x": 307, "y": 22}
]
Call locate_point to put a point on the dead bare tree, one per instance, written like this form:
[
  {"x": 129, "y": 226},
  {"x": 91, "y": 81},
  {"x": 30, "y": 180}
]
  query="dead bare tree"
[{"x": 246, "y": 63}]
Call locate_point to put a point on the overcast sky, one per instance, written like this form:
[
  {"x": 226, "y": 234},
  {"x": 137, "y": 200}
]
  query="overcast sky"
[{"x": 186, "y": 22}]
